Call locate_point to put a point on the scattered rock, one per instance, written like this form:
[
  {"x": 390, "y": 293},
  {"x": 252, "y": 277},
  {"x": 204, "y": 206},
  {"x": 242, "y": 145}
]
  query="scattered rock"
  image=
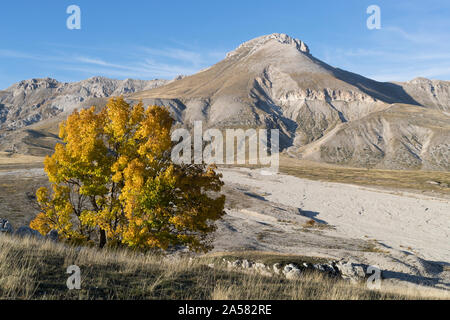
[
  {"x": 6, "y": 227},
  {"x": 27, "y": 232},
  {"x": 237, "y": 263},
  {"x": 288, "y": 268},
  {"x": 246, "y": 264},
  {"x": 52, "y": 235},
  {"x": 234, "y": 264},
  {"x": 259, "y": 265},
  {"x": 351, "y": 271},
  {"x": 347, "y": 270},
  {"x": 330, "y": 269},
  {"x": 294, "y": 274},
  {"x": 277, "y": 268}
]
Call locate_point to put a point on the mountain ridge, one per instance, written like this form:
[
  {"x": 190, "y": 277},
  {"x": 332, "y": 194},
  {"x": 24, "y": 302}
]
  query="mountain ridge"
[{"x": 324, "y": 113}]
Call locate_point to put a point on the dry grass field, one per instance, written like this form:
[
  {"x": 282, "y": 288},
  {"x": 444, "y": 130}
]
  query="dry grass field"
[
  {"x": 433, "y": 182},
  {"x": 10, "y": 160},
  {"x": 18, "y": 189},
  {"x": 33, "y": 269}
]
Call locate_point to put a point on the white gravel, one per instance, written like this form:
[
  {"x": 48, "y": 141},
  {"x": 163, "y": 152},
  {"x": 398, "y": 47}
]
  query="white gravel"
[{"x": 400, "y": 221}]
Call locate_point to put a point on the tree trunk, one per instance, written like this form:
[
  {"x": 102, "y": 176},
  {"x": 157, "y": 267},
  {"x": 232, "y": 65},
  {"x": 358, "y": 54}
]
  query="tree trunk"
[{"x": 102, "y": 238}]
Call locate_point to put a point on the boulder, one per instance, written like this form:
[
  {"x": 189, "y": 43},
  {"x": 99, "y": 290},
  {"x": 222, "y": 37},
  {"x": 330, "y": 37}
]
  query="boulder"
[
  {"x": 52, "y": 235},
  {"x": 293, "y": 274},
  {"x": 351, "y": 270},
  {"x": 237, "y": 263},
  {"x": 259, "y": 265},
  {"x": 6, "y": 227},
  {"x": 234, "y": 264},
  {"x": 288, "y": 268},
  {"x": 246, "y": 264},
  {"x": 329, "y": 269},
  {"x": 27, "y": 232},
  {"x": 277, "y": 268}
]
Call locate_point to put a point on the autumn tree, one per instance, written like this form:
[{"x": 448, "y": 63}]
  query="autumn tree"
[{"x": 112, "y": 181}]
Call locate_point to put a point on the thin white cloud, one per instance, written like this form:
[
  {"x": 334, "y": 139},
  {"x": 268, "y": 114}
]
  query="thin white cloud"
[
  {"x": 420, "y": 37},
  {"x": 144, "y": 69},
  {"x": 6, "y": 53},
  {"x": 143, "y": 62},
  {"x": 100, "y": 62}
]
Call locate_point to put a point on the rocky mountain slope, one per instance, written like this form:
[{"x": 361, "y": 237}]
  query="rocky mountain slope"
[
  {"x": 31, "y": 110},
  {"x": 433, "y": 93},
  {"x": 31, "y": 101},
  {"x": 323, "y": 113}
]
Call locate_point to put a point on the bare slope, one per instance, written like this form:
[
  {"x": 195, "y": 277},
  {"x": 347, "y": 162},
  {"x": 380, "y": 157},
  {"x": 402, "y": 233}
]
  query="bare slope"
[{"x": 432, "y": 93}]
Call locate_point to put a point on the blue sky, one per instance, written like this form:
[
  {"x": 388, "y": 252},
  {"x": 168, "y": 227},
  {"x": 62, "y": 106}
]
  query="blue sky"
[{"x": 148, "y": 39}]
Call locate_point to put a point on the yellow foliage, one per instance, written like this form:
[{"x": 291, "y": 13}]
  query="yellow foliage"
[{"x": 113, "y": 182}]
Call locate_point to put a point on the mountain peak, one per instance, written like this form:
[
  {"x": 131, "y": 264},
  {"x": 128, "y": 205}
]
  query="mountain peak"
[{"x": 255, "y": 44}]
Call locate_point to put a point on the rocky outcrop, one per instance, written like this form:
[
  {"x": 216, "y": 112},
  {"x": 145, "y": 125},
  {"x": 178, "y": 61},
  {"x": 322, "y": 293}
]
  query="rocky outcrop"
[
  {"x": 5, "y": 227},
  {"x": 25, "y": 231},
  {"x": 52, "y": 235},
  {"x": 346, "y": 270},
  {"x": 292, "y": 272},
  {"x": 252, "y": 46},
  {"x": 431, "y": 93},
  {"x": 35, "y": 100}
]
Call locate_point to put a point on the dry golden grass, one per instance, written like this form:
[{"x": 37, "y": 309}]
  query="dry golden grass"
[
  {"x": 31, "y": 269},
  {"x": 315, "y": 286},
  {"x": 14, "y": 159},
  {"x": 373, "y": 246},
  {"x": 413, "y": 180},
  {"x": 312, "y": 224},
  {"x": 394, "y": 180}
]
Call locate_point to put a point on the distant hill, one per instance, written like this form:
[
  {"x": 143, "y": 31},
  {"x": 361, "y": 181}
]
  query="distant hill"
[{"x": 31, "y": 110}]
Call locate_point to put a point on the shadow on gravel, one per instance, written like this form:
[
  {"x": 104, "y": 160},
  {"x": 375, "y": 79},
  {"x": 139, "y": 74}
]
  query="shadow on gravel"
[
  {"x": 428, "y": 281},
  {"x": 256, "y": 196},
  {"x": 312, "y": 215}
]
